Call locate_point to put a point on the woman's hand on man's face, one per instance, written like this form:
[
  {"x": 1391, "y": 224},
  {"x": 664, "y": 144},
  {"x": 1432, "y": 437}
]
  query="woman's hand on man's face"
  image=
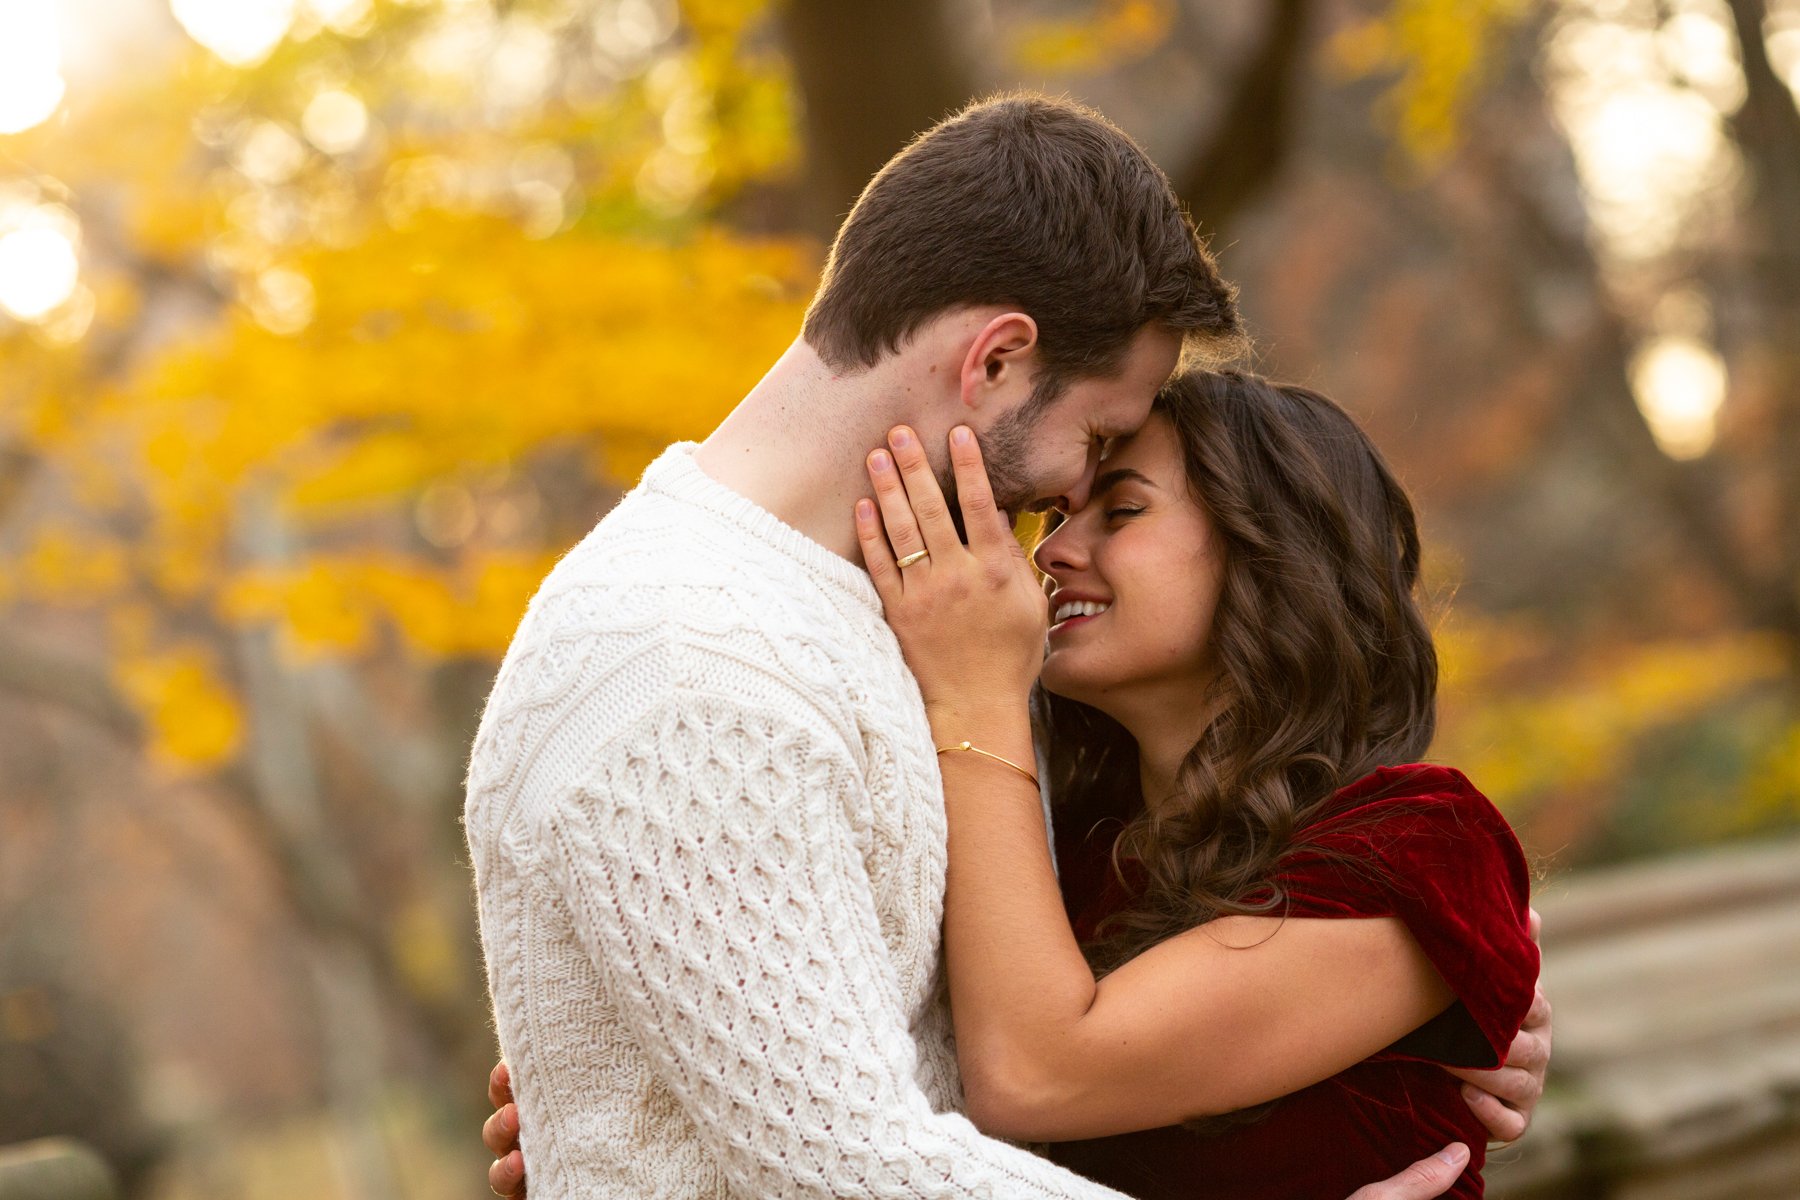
[{"x": 970, "y": 619}]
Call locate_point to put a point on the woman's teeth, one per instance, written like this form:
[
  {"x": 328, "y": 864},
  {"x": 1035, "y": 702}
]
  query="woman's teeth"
[{"x": 1079, "y": 608}]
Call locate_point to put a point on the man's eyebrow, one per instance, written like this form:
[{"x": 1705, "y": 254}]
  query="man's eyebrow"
[{"x": 1113, "y": 479}]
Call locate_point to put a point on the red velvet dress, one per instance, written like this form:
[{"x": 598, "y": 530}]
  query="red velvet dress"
[{"x": 1445, "y": 862}]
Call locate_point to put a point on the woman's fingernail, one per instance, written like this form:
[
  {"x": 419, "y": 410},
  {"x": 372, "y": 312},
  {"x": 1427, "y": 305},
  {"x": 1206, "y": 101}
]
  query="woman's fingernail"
[
  {"x": 901, "y": 438},
  {"x": 879, "y": 460},
  {"x": 864, "y": 509},
  {"x": 961, "y": 435}
]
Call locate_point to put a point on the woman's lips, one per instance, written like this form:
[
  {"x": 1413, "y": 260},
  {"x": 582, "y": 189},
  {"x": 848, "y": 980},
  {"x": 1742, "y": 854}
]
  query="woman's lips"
[{"x": 1071, "y": 622}]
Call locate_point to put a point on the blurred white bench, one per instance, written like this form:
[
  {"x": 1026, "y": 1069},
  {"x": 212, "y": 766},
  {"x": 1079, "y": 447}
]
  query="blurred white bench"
[
  {"x": 54, "y": 1169},
  {"x": 1676, "y": 1071}
]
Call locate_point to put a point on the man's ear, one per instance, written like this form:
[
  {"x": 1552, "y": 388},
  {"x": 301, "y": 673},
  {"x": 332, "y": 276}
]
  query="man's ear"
[{"x": 997, "y": 366}]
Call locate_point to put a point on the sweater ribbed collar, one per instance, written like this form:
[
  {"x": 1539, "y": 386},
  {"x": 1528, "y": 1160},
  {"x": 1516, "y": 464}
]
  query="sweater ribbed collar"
[{"x": 674, "y": 473}]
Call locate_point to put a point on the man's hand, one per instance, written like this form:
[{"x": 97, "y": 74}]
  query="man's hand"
[
  {"x": 1505, "y": 1098},
  {"x": 1426, "y": 1178},
  {"x": 500, "y": 1133}
]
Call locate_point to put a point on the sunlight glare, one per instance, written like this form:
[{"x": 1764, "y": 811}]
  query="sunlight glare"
[
  {"x": 31, "y": 82},
  {"x": 1784, "y": 56},
  {"x": 38, "y": 266},
  {"x": 345, "y": 16},
  {"x": 1645, "y": 154},
  {"x": 282, "y": 301},
  {"x": 1680, "y": 384},
  {"x": 335, "y": 121},
  {"x": 1700, "y": 44},
  {"x": 242, "y": 32},
  {"x": 1650, "y": 149}
]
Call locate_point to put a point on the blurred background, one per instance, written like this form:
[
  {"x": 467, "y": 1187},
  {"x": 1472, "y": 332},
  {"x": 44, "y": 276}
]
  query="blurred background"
[{"x": 326, "y": 325}]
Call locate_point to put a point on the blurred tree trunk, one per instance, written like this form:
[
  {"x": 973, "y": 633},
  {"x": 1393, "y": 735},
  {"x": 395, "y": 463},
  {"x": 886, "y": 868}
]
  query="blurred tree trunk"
[
  {"x": 1233, "y": 163},
  {"x": 1600, "y": 397},
  {"x": 1767, "y": 130},
  {"x": 872, "y": 76}
]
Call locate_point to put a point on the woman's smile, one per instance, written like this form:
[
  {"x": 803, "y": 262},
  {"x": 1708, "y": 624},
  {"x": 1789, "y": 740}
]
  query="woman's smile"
[{"x": 1069, "y": 611}]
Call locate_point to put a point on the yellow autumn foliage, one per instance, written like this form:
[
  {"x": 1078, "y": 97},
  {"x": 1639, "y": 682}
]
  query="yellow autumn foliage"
[
  {"x": 194, "y": 719},
  {"x": 455, "y": 349},
  {"x": 1577, "y": 728},
  {"x": 1772, "y": 792},
  {"x": 1438, "y": 52},
  {"x": 322, "y": 395},
  {"x": 1115, "y": 33}
]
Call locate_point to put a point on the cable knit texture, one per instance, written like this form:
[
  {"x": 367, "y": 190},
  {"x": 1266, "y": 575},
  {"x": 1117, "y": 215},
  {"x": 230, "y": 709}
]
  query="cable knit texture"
[{"x": 708, "y": 836}]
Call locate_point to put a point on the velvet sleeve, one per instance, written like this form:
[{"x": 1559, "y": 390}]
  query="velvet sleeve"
[{"x": 1420, "y": 843}]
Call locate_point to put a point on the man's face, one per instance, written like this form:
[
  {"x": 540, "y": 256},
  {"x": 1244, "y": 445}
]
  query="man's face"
[{"x": 1049, "y": 457}]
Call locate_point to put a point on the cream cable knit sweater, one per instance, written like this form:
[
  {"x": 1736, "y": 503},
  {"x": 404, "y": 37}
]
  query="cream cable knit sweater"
[{"x": 708, "y": 836}]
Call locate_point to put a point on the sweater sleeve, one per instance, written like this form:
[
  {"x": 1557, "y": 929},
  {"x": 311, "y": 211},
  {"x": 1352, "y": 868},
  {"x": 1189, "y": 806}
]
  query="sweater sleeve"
[{"x": 709, "y": 860}]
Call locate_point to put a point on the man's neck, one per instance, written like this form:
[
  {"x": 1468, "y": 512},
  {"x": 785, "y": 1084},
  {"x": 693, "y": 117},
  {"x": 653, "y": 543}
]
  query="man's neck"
[{"x": 796, "y": 444}]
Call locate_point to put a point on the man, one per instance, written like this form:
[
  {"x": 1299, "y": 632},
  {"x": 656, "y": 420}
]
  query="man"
[{"x": 704, "y": 811}]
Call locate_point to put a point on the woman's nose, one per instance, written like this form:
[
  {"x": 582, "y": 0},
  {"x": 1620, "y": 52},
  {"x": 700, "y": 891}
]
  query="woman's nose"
[{"x": 1060, "y": 552}]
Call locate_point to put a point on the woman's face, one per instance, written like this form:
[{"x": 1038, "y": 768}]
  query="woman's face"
[{"x": 1144, "y": 554}]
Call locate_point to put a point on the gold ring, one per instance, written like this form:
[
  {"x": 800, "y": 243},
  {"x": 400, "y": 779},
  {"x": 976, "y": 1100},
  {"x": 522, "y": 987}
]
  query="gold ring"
[{"x": 917, "y": 556}]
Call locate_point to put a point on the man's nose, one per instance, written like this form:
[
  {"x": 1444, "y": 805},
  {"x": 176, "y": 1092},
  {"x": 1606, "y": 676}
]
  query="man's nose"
[{"x": 1077, "y": 496}]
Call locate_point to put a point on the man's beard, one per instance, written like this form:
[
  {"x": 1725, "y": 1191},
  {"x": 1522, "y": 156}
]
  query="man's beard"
[{"x": 1003, "y": 453}]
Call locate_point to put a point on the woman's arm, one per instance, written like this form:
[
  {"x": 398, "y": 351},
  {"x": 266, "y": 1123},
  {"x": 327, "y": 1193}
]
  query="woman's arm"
[{"x": 1233, "y": 1013}]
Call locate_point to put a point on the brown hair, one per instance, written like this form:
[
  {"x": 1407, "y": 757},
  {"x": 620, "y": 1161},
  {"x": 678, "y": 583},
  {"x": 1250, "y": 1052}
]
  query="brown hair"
[
  {"x": 1326, "y": 668},
  {"x": 1027, "y": 201}
]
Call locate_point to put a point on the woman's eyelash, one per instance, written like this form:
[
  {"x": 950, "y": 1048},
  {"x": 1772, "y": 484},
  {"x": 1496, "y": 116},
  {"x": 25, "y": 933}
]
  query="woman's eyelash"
[{"x": 1122, "y": 512}]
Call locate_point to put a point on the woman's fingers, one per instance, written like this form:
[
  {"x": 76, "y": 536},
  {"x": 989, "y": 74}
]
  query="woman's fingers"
[
  {"x": 500, "y": 1132},
  {"x": 500, "y": 1085},
  {"x": 897, "y": 519},
  {"x": 986, "y": 526},
  {"x": 928, "y": 507},
  {"x": 878, "y": 559},
  {"x": 507, "y": 1176}
]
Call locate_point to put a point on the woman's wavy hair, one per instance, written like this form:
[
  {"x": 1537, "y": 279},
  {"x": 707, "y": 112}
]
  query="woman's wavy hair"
[{"x": 1325, "y": 666}]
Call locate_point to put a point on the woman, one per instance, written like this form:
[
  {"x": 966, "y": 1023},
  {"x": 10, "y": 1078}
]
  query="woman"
[{"x": 1274, "y": 923}]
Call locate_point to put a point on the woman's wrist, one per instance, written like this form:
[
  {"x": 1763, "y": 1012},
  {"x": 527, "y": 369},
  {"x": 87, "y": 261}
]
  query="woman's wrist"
[{"x": 1002, "y": 729}]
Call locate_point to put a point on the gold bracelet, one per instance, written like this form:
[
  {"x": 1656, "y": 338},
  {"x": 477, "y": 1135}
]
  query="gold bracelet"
[{"x": 972, "y": 749}]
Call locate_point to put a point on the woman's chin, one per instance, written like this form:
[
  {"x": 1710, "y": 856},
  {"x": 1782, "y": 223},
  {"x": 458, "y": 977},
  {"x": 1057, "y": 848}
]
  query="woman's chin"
[{"x": 1060, "y": 680}]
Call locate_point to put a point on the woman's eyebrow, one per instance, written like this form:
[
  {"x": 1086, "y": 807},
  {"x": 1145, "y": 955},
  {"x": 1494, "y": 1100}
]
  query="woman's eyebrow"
[{"x": 1114, "y": 478}]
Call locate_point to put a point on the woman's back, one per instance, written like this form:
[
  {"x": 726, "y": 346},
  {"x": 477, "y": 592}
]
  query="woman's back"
[{"x": 1417, "y": 842}]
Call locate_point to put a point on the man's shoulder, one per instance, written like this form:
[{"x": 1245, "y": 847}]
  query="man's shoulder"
[
  {"x": 652, "y": 601},
  {"x": 663, "y": 542}
]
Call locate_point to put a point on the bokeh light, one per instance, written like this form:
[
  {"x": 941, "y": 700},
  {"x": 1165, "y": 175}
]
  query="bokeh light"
[
  {"x": 31, "y": 82},
  {"x": 1644, "y": 109},
  {"x": 345, "y": 16},
  {"x": 241, "y": 32},
  {"x": 335, "y": 121},
  {"x": 39, "y": 268},
  {"x": 1680, "y": 383}
]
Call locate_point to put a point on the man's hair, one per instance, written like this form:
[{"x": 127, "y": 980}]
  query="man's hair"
[{"x": 1036, "y": 203}]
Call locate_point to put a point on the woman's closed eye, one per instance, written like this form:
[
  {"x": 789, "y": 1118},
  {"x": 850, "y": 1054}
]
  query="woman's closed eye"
[{"x": 1113, "y": 514}]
